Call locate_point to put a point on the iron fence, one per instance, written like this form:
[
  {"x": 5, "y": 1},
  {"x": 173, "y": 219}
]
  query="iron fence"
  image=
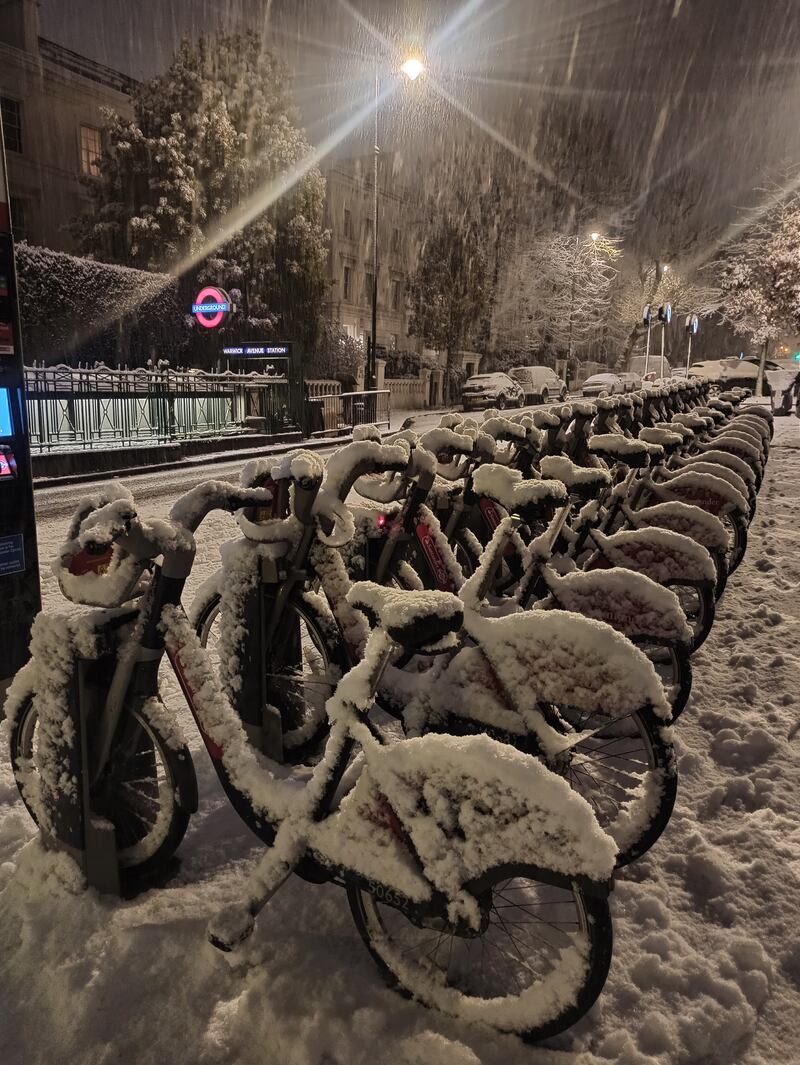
[
  {"x": 338, "y": 413},
  {"x": 79, "y": 409}
]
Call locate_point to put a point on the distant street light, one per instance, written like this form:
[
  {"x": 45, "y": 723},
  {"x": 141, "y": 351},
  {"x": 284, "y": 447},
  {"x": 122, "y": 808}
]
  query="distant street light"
[
  {"x": 595, "y": 236},
  {"x": 412, "y": 68}
]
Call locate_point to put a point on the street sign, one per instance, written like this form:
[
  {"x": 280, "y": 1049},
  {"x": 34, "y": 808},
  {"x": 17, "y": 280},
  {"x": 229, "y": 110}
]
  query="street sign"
[
  {"x": 692, "y": 324},
  {"x": 249, "y": 350},
  {"x": 665, "y": 313},
  {"x": 210, "y": 307},
  {"x": 646, "y": 314}
]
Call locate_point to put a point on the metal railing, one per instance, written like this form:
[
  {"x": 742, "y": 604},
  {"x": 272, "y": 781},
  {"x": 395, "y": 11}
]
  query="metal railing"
[
  {"x": 79, "y": 409},
  {"x": 333, "y": 414}
]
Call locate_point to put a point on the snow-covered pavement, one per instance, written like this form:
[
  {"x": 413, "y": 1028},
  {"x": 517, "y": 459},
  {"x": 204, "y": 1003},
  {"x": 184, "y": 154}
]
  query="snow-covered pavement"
[{"x": 706, "y": 969}]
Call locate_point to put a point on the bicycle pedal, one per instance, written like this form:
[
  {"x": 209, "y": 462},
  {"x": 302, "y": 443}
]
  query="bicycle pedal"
[{"x": 230, "y": 928}]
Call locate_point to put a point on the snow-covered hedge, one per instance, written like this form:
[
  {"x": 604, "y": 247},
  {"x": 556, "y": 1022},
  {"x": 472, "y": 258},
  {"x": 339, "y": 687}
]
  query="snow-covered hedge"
[{"x": 72, "y": 309}]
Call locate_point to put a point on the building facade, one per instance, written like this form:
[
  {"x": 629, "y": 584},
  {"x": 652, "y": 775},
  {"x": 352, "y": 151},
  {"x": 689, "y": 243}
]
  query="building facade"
[
  {"x": 349, "y": 217},
  {"x": 51, "y": 101}
]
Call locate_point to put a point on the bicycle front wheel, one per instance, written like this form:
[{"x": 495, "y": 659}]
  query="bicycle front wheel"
[
  {"x": 535, "y": 966},
  {"x": 147, "y": 791},
  {"x": 306, "y": 662}
]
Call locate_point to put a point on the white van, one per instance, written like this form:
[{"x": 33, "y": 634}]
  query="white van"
[{"x": 539, "y": 383}]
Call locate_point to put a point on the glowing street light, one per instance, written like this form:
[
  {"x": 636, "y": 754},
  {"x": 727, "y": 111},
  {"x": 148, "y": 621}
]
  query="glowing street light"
[
  {"x": 595, "y": 237},
  {"x": 412, "y": 68}
]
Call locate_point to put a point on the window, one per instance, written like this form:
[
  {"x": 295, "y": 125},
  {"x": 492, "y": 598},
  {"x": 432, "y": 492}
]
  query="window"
[
  {"x": 396, "y": 287},
  {"x": 368, "y": 282},
  {"x": 11, "y": 111},
  {"x": 394, "y": 340},
  {"x": 20, "y": 218},
  {"x": 348, "y": 223},
  {"x": 347, "y": 283},
  {"x": 91, "y": 147}
]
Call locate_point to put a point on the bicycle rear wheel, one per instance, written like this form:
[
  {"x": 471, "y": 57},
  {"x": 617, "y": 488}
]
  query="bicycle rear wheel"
[
  {"x": 536, "y": 965},
  {"x": 627, "y": 773}
]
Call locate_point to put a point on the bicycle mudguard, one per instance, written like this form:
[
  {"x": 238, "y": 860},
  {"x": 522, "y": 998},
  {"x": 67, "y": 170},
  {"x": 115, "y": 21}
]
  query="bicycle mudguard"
[
  {"x": 630, "y": 602},
  {"x": 661, "y": 554},
  {"x": 440, "y": 811},
  {"x": 710, "y": 493},
  {"x": 726, "y": 460},
  {"x": 685, "y": 518}
]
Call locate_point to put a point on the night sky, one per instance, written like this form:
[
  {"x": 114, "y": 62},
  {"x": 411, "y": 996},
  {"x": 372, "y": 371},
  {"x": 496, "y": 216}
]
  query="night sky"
[{"x": 713, "y": 84}]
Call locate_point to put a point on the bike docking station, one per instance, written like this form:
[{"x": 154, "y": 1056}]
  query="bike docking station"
[{"x": 77, "y": 828}]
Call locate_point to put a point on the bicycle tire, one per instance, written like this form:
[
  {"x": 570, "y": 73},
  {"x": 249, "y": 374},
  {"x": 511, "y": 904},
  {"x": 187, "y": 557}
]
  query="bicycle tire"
[
  {"x": 593, "y": 924},
  {"x": 318, "y": 627},
  {"x": 140, "y": 857}
]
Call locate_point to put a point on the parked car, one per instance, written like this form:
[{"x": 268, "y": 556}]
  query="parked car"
[
  {"x": 631, "y": 380},
  {"x": 652, "y": 365},
  {"x": 492, "y": 390},
  {"x": 539, "y": 383},
  {"x": 602, "y": 382}
]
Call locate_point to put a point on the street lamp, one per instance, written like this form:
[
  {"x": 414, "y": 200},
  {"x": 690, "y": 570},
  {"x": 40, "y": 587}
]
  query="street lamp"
[{"x": 411, "y": 68}]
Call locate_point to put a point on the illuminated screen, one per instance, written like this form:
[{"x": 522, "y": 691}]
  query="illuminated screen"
[{"x": 5, "y": 413}]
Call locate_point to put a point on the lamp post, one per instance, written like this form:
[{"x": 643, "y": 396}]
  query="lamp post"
[{"x": 411, "y": 68}]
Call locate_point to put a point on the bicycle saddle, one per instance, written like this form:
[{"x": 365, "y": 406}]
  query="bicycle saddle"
[
  {"x": 671, "y": 442},
  {"x": 508, "y": 488},
  {"x": 614, "y": 448},
  {"x": 545, "y": 419},
  {"x": 412, "y": 619},
  {"x": 583, "y": 481}
]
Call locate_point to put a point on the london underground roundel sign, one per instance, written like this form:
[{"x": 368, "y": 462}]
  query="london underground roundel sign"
[{"x": 210, "y": 307}]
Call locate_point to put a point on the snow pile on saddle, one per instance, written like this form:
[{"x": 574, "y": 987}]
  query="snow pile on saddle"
[
  {"x": 503, "y": 428},
  {"x": 624, "y": 446},
  {"x": 664, "y": 437},
  {"x": 559, "y": 657},
  {"x": 630, "y": 602},
  {"x": 508, "y": 488},
  {"x": 660, "y": 553},
  {"x": 560, "y": 468},
  {"x": 397, "y": 608}
]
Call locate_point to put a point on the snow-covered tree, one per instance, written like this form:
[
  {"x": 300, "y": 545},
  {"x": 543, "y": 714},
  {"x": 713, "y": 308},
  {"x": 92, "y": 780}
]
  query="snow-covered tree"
[
  {"x": 553, "y": 296},
  {"x": 208, "y": 135},
  {"x": 337, "y": 355},
  {"x": 447, "y": 292},
  {"x": 759, "y": 274}
]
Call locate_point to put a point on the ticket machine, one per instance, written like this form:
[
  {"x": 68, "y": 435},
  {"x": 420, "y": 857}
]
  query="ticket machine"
[{"x": 19, "y": 568}]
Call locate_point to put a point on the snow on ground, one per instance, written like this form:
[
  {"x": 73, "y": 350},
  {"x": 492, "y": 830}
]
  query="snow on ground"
[{"x": 706, "y": 968}]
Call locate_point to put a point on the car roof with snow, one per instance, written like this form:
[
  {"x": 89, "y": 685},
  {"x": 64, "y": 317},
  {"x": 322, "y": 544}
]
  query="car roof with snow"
[
  {"x": 599, "y": 377},
  {"x": 498, "y": 376}
]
